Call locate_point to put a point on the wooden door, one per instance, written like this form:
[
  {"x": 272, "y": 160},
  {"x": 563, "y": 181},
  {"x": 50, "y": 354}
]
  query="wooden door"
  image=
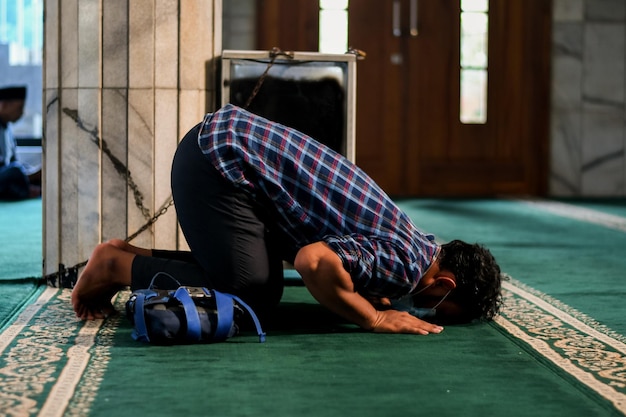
[
  {"x": 409, "y": 135},
  {"x": 291, "y": 25}
]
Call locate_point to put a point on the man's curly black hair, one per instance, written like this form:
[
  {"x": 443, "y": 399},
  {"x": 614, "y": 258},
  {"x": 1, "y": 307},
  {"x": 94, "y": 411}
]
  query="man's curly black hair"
[{"x": 478, "y": 279}]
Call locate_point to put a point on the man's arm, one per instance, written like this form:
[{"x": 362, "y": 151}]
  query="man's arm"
[{"x": 326, "y": 279}]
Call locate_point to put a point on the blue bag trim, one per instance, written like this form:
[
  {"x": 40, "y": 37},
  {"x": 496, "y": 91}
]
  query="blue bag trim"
[
  {"x": 225, "y": 315},
  {"x": 194, "y": 329},
  {"x": 226, "y": 326},
  {"x": 257, "y": 323},
  {"x": 140, "y": 332}
]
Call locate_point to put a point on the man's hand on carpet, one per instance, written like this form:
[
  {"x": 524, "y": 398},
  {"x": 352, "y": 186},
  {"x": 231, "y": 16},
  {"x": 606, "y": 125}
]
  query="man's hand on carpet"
[{"x": 393, "y": 321}]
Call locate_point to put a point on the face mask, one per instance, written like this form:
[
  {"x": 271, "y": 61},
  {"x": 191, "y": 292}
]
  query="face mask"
[{"x": 406, "y": 304}]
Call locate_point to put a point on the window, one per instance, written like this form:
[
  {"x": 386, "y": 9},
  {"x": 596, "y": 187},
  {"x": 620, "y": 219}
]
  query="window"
[
  {"x": 21, "y": 41},
  {"x": 474, "y": 31},
  {"x": 333, "y": 21}
]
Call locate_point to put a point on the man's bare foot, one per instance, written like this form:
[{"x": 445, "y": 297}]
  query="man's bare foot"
[
  {"x": 99, "y": 308},
  {"x": 91, "y": 297},
  {"x": 107, "y": 272}
]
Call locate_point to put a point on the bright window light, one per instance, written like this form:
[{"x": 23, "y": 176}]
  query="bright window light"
[
  {"x": 474, "y": 35},
  {"x": 333, "y": 21}
]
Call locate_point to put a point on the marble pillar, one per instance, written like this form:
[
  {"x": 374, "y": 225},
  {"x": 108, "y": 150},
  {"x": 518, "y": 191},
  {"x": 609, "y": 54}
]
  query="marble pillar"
[
  {"x": 124, "y": 80},
  {"x": 588, "y": 99}
]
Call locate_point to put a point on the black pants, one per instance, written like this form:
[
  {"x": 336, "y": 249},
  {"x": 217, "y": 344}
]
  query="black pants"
[
  {"x": 13, "y": 182},
  {"x": 232, "y": 248}
]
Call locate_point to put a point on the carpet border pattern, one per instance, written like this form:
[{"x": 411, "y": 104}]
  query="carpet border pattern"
[
  {"x": 589, "y": 352},
  {"x": 51, "y": 363},
  {"x": 575, "y": 343}
]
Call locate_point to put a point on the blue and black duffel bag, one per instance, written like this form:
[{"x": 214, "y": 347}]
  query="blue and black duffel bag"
[{"x": 187, "y": 315}]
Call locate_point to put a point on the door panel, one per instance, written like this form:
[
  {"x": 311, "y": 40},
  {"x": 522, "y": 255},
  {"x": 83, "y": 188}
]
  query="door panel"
[
  {"x": 381, "y": 86},
  {"x": 436, "y": 154},
  {"x": 287, "y": 24}
]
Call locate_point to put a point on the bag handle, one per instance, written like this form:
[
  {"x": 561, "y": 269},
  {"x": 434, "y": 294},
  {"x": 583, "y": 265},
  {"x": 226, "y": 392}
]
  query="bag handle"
[
  {"x": 154, "y": 277},
  {"x": 194, "y": 329},
  {"x": 140, "y": 332},
  {"x": 225, "y": 315},
  {"x": 257, "y": 323},
  {"x": 255, "y": 319}
]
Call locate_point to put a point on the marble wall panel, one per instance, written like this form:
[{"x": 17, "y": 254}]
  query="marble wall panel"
[
  {"x": 140, "y": 162},
  {"x": 115, "y": 44},
  {"x": 594, "y": 182},
  {"x": 88, "y": 186},
  {"x": 114, "y": 119},
  {"x": 602, "y": 151},
  {"x": 51, "y": 48},
  {"x": 568, "y": 64},
  {"x": 192, "y": 108},
  {"x": 113, "y": 137},
  {"x": 566, "y": 123},
  {"x": 605, "y": 10},
  {"x": 166, "y": 138},
  {"x": 588, "y": 99},
  {"x": 51, "y": 202},
  {"x": 141, "y": 44},
  {"x": 166, "y": 44},
  {"x": 199, "y": 44},
  {"x": 50, "y": 150},
  {"x": 604, "y": 63},
  {"x": 565, "y": 175},
  {"x": 567, "y": 88},
  {"x": 69, "y": 135},
  {"x": 88, "y": 36},
  {"x": 68, "y": 43},
  {"x": 568, "y": 10}
]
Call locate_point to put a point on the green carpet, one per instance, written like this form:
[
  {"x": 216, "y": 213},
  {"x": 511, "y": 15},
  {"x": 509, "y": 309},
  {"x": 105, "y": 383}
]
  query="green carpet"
[
  {"x": 616, "y": 206},
  {"x": 15, "y": 295},
  {"x": 20, "y": 225},
  {"x": 20, "y": 256},
  {"x": 558, "y": 349}
]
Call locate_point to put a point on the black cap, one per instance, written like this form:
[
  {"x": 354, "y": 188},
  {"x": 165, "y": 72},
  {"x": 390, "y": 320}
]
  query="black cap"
[{"x": 13, "y": 93}]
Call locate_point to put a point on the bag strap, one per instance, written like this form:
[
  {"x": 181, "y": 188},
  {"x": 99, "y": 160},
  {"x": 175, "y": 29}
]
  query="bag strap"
[
  {"x": 255, "y": 319},
  {"x": 194, "y": 329},
  {"x": 140, "y": 332},
  {"x": 225, "y": 315}
]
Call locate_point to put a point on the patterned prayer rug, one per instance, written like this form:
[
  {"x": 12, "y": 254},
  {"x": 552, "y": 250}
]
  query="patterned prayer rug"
[
  {"x": 576, "y": 346},
  {"x": 51, "y": 363}
]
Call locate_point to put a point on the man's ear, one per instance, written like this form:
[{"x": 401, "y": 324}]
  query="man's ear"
[{"x": 445, "y": 281}]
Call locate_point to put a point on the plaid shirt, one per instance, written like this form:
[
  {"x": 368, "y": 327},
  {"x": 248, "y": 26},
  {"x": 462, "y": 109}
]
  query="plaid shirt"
[{"x": 320, "y": 196}]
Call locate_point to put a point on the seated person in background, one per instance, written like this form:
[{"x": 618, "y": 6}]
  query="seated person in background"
[
  {"x": 250, "y": 193},
  {"x": 17, "y": 180}
]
